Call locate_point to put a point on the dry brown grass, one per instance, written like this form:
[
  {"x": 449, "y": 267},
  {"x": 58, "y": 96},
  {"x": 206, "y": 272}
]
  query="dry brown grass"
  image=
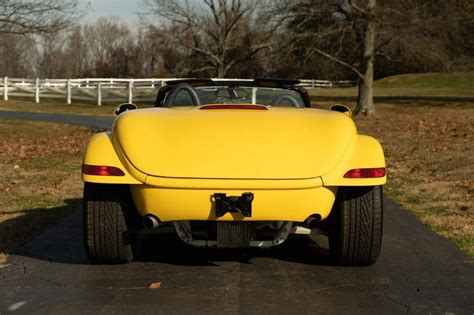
[
  {"x": 39, "y": 177},
  {"x": 430, "y": 164}
]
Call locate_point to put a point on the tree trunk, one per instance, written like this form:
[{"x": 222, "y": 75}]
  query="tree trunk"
[
  {"x": 366, "y": 95},
  {"x": 366, "y": 91},
  {"x": 221, "y": 70}
]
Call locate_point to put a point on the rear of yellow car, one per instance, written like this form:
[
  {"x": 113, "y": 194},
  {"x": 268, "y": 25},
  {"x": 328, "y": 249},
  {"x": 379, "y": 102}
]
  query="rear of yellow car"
[{"x": 234, "y": 176}]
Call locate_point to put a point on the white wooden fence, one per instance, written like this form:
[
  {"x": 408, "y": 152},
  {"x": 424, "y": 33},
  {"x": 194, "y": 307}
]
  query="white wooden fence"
[{"x": 110, "y": 90}]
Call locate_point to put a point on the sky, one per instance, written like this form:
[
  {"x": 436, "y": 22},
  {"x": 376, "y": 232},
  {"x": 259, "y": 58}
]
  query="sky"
[{"x": 125, "y": 9}]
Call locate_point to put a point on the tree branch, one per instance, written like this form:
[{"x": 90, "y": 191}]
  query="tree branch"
[
  {"x": 357, "y": 8},
  {"x": 339, "y": 61}
]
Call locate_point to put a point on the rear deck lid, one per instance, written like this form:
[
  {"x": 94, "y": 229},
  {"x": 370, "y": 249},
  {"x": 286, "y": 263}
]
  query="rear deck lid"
[{"x": 227, "y": 143}]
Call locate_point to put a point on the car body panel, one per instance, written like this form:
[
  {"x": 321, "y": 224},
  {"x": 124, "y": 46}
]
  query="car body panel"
[
  {"x": 279, "y": 143},
  {"x": 254, "y": 184},
  {"x": 366, "y": 152},
  {"x": 171, "y": 204},
  {"x": 100, "y": 152}
]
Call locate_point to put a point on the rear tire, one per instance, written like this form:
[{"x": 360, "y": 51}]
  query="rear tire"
[
  {"x": 356, "y": 225},
  {"x": 106, "y": 208}
]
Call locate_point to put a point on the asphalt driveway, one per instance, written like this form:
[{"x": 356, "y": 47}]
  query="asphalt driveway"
[{"x": 82, "y": 120}]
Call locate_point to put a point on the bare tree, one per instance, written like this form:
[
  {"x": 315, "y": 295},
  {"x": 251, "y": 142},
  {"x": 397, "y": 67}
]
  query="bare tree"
[
  {"x": 75, "y": 53},
  {"x": 325, "y": 27},
  {"x": 356, "y": 33},
  {"x": 40, "y": 16},
  {"x": 50, "y": 61},
  {"x": 158, "y": 57},
  {"x": 427, "y": 36},
  {"x": 18, "y": 54},
  {"x": 105, "y": 48},
  {"x": 104, "y": 40},
  {"x": 365, "y": 100},
  {"x": 21, "y": 21},
  {"x": 216, "y": 35}
]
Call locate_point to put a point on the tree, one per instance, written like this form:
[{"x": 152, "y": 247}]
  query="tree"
[
  {"x": 33, "y": 17},
  {"x": 107, "y": 41},
  {"x": 215, "y": 35},
  {"x": 426, "y": 36},
  {"x": 326, "y": 27},
  {"x": 160, "y": 58},
  {"x": 75, "y": 53},
  {"x": 355, "y": 34},
  {"x": 20, "y": 20},
  {"x": 50, "y": 61},
  {"x": 17, "y": 55}
]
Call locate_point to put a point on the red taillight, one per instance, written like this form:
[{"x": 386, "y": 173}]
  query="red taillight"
[
  {"x": 101, "y": 170},
  {"x": 235, "y": 106},
  {"x": 365, "y": 173}
]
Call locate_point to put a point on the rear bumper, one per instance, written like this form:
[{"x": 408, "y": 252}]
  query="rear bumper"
[{"x": 274, "y": 200}]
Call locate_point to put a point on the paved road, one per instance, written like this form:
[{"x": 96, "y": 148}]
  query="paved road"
[
  {"x": 418, "y": 272},
  {"x": 83, "y": 120}
]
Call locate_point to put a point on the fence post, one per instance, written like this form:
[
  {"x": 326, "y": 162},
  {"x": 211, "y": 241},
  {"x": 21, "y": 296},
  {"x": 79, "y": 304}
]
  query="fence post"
[
  {"x": 312, "y": 83},
  {"x": 37, "y": 90},
  {"x": 68, "y": 91},
  {"x": 254, "y": 95},
  {"x": 5, "y": 88},
  {"x": 130, "y": 92},
  {"x": 99, "y": 94}
]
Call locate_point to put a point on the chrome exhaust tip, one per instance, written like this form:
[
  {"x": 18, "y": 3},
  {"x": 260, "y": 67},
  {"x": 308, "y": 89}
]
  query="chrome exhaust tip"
[
  {"x": 150, "y": 221},
  {"x": 314, "y": 221}
]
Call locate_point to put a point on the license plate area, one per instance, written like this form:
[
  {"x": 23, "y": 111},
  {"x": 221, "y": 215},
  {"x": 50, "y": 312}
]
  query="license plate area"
[
  {"x": 233, "y": 234},
  {"x": 233, "y": 204}
]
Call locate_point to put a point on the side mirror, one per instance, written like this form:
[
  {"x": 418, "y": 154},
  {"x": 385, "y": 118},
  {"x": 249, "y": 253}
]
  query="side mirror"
[
  {"x": 341, "y": 108},
  {"x": 123, "y": 108}
]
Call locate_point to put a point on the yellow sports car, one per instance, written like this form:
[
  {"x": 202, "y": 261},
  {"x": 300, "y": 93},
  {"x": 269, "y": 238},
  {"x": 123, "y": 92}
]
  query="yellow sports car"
[{"x": 234, "y": 164}]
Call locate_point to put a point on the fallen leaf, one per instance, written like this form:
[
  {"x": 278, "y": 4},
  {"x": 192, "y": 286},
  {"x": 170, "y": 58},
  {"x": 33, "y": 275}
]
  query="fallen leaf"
[{"x": 154, "y": 285}]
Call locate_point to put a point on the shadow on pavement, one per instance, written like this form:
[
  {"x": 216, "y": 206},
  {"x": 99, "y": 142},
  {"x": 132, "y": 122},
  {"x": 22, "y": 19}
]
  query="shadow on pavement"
[
  {"x": 63, "y": 243},
  {"x": 23, "y": 226},
  {"x": 168, "y": 248},
  {"x": 58, "y": 240}
]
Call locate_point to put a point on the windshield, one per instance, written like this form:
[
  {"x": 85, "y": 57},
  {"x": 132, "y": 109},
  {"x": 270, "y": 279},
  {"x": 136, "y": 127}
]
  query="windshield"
[{"x": 240, "y": 95}]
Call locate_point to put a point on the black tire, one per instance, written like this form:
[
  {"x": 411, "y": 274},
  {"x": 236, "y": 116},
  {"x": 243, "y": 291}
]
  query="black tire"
[
  {"x": 107, "y": 209},
  {"x": 356, "y": 226}
]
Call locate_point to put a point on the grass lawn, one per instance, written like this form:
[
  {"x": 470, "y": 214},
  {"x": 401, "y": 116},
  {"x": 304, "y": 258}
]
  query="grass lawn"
[
  {"x": 39, "y": 177},
  {"x": 430, "y": 164},
  {"x": 57, "y": 107},
  {"x": 427, "y": 85}
]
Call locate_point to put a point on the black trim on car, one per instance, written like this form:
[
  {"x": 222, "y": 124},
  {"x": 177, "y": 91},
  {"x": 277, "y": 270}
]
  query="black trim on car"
[{"x": 275, "y": 83}]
